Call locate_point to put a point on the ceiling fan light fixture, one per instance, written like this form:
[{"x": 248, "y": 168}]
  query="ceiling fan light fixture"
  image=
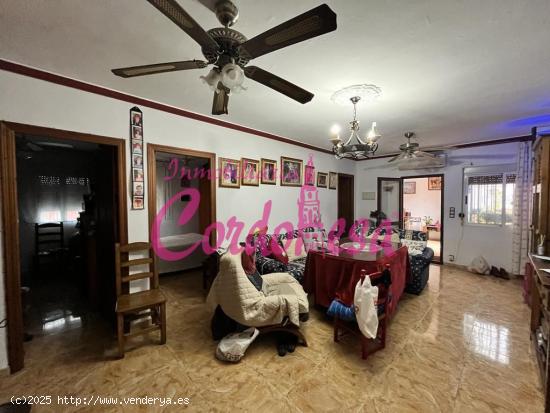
[
  {"x": 232, "y": 76},
  {"x": 212, "y": 79}
]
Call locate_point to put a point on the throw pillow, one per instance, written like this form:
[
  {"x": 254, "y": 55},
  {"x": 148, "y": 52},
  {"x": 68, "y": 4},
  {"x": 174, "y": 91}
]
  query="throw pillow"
[
  {"x": 248, "y": 262},
  {"x": 295, "y": 249},
  {"x": 278, "y": 252},
  {"x": 415, "y": 247}
]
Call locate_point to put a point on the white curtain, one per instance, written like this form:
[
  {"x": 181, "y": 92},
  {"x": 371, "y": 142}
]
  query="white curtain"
[{"x": 522, "y": 208}]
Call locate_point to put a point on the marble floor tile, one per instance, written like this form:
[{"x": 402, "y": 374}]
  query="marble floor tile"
[{"x": 461, "y": 346}]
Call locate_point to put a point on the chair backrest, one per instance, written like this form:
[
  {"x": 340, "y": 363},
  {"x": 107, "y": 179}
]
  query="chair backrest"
[
  {"x": 380, "y": 279},
  {"x": 48, "y": 236},
  {"x": 123, "y": 265}
]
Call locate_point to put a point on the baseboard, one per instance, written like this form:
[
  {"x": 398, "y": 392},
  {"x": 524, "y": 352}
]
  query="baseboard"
[
  {"x": 5, "y": 372},
  {"x": 465, "y": 268}
]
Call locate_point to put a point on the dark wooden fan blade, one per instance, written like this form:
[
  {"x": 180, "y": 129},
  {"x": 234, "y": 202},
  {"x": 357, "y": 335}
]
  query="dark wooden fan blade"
[
  {"x": 276, "y": 83},
  {"x": 221, "y": 99},
  {"x": 159, "y": 68},
  {"x": 315, "y": 22},
  {"x": 172, "y": 10}
]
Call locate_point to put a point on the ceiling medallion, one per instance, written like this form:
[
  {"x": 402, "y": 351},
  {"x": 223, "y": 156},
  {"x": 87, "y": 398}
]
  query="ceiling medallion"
[{"x": 365, "y": 92}]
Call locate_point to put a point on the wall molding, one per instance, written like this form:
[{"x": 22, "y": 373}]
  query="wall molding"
[{"x": 28, "y": 71}]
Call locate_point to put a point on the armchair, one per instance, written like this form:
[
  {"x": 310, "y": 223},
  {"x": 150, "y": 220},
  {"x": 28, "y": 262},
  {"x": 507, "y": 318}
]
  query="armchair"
[{"x": 420, "y": 263}]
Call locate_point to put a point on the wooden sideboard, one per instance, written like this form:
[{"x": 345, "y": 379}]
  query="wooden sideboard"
[{"x": 540, "y": 321}]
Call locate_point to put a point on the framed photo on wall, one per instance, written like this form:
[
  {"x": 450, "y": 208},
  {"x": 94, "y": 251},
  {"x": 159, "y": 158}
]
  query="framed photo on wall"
[
  {"x": 291, "y": 171},
  {"x": 309, "y": 175},
  {"x": 136, "y": 156},
  {"x": 434, "y": 183},
  {"x": 268, "y": 171},
  {"x": 230, "y": 173},
  {"x": 322, "y": 179},
  {"x": 332, "y": 180},
  {"x": 409, "y": 188},
  {"x": 250, "y": 172}
]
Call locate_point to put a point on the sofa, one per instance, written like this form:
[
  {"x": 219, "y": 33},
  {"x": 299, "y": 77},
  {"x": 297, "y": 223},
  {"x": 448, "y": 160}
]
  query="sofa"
[
  {"x": 420, "y": 263},
  {"x": 267, "y": 265}
]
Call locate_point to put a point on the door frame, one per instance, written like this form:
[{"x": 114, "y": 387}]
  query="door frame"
[
  {"x": 379, "y": 198},
  {"x": 152, "y": 150},
  {"x": 10, "y": 219},
  {"x": 352, "y": 177},
  {"x": 442, "y": 176}
]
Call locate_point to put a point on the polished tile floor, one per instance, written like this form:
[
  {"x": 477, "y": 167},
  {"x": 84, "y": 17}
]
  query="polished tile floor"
[{"x": 462, "y": 346}]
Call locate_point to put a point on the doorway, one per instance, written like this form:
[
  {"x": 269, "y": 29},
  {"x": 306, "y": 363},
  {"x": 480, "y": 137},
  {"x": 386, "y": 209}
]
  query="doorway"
[
  {"x": 422, "y": 209},
  {"x": 414, "y": 203},
  {"x": 346, "y": 201},
  {"x": 171, "y": 170},
  {"x": 63, "y": 207}
]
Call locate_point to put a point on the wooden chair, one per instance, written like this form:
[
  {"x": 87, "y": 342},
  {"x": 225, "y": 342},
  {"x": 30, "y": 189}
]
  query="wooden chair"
[
  {"x": 140, "y": 305},
  {"x": 369, "y": 345},
  {"x": 49, "y": 243}
]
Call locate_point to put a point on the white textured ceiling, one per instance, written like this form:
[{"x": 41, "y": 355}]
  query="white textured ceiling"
[{"x": 453, "y": 71}]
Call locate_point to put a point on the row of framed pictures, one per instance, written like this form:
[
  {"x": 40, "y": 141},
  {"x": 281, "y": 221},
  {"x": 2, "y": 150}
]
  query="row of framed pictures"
[{"x": 251, "y": 172}]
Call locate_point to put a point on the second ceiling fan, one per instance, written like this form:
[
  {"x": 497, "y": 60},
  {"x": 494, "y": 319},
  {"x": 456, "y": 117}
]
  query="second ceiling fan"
[{"x": 230, "y": 51}]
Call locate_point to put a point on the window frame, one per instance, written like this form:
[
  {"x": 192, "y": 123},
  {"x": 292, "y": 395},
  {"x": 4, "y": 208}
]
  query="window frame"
[{"x": 505, "y": 171}]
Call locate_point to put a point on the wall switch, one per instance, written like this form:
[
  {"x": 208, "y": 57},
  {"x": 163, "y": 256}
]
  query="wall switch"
[{"x": 451, "y": 212}]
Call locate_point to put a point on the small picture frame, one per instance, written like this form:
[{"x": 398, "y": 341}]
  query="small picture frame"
[
  {"x": 332, "y": 180},
  {"x": 230, "y": 173},
  {"x": 137, "y": 202},
  {"x": 291, "y": 171},
  {"x": 250, "y": 172},
  {"x": 137, "y": 161},
  {"x": 409, "y": 188},
  {"x": 138, "y": 189},
  {"x": 136, "y": 118},
  {"x": 322, "y": 179},
  {"x": 137, "y": 133},
  {"x": 434, "y": 183},
  {"x": 309, "y": 175},
  {"x": 137, "y": 175},
  {"x": 137, "y": 147},
  {"x": 268, "y": 170}
]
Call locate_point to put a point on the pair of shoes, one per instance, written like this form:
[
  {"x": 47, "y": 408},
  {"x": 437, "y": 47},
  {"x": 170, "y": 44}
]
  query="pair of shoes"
[
  {"x": 500, "y": 273},
  {"x": 286, "y": 343},
  {"x": 503, "y": 274}
]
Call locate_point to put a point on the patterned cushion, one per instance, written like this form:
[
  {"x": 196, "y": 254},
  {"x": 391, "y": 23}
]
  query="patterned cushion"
[
  {"x": 266, "y": 265},
  {"x": 412, "y": 234},
  {"x": 415, "y": 247}
]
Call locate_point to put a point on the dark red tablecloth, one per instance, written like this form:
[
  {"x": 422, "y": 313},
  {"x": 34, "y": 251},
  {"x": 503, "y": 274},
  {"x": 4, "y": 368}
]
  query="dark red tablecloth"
[{"x": 328, "y": 276}]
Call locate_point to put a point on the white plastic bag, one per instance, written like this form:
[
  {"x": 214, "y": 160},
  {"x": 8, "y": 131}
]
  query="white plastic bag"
[
  {"x": 365, "y": 307},
  {"x": 233, "y": 346},
  {"x": 479, "y": 265}
]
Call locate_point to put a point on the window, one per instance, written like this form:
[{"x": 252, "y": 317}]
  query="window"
[{"x": 489, "y": 196}]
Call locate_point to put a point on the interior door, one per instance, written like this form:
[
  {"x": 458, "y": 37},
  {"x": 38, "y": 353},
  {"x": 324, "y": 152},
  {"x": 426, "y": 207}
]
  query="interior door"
[
  {"x": 390, "y": 201},
  {"x": 346, "y": 208}
]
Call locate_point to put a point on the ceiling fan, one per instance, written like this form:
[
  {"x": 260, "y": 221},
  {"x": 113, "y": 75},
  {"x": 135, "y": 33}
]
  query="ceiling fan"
[
  {"x": 230, "y": 51},
  {"x": 411, "y": 157}
]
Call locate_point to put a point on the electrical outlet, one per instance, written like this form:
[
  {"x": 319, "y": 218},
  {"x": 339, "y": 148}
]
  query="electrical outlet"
[{"x": 451, "y": 258}]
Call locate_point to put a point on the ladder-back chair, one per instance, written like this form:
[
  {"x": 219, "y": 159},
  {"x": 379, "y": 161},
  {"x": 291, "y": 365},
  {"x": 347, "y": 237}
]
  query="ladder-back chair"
[{"x": 140, "y": 305}]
